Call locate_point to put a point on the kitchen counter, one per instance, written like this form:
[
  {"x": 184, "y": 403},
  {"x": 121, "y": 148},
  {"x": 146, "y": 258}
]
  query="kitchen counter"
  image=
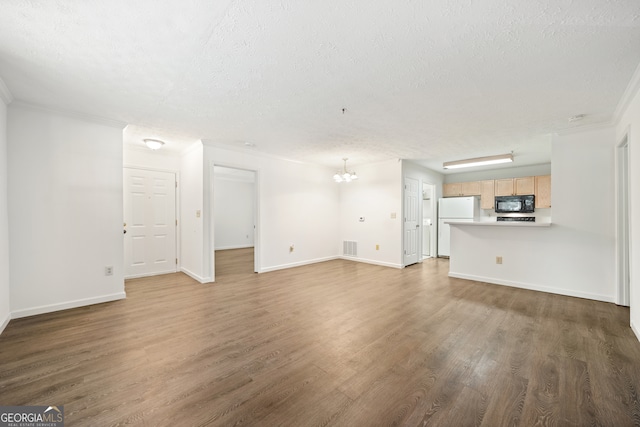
[{"x": 500, "y": 223}]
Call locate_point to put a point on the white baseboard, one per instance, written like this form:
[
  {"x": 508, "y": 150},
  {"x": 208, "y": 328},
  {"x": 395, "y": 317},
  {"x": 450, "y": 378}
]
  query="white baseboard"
[
  {"x": 224, "y": 248},
  {"x": 635, "y": 330},
  {"x": 5, "y": 322},
  {"x": 137, "y": 276},
  {"x": 195, "y": 276},
  {"x": 370, "y": 261},
  {"x": 531, "y": 287},
  {"x": 66, "y": 305},
  {"x": 296, "y": 264}
]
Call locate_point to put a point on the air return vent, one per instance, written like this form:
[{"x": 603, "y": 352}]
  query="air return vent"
[{"x": 350, "y": 248}]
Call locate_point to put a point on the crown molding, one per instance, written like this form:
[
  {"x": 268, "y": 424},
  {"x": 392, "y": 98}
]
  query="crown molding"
[
  {"x": 70, "y": 114},
  {"x": 5, "y": 93},
  {"x": 629, "y": 93}
]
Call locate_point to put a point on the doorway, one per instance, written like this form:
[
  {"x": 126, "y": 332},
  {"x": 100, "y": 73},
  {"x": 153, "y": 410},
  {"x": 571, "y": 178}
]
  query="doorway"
[
  {"x": 234, "y": 221},
  {"x": 428, "y": 218},
  {"x": 622, "y": 223}
]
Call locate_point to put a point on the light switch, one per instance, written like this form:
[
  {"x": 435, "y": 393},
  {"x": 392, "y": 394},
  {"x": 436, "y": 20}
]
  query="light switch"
[
  {"x": 393, "y": 215},
  {"x": 198, "y": 213}
]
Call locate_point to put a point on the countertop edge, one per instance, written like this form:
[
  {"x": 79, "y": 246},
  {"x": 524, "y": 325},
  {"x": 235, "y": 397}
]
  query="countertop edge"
[{"x": 499, "y": 224}]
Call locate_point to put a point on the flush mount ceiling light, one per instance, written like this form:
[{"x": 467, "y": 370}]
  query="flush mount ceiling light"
[
  {"x": 154, "y": 144},
  {"x": 479, "y": 161},
  {"x": 344, "y": 176}
]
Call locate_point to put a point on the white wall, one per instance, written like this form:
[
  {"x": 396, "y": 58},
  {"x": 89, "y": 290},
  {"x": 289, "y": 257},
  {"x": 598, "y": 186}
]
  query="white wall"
[
  {"x": 375, "y": 196},
  {"x": 297, "y": 205},
  {"x": 427, "y": 176},
  {"x": 629, "y": 124},
  {"x": 191, "y": 186},
  {"x": 233, "y": 213},
  {"x": 5, "y": 307},
  {"x": 575, "y": 256},
  {"x": 65, "y": 211},
  {"x": 148, "y": 159}
]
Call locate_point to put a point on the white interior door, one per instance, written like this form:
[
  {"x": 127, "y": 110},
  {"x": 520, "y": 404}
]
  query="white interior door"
[
  {"x": 149, "y": 222},
  {"x": 411, "y": 221}
]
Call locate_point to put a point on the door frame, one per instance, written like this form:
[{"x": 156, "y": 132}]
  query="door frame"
[
  {"x": 177, "y": 204},
  {"x": 623, "y": 217},
  {"x": 210, "y": 235},
  {"x": 433, "y": 237},
  {"x": 419, "y": 225}
]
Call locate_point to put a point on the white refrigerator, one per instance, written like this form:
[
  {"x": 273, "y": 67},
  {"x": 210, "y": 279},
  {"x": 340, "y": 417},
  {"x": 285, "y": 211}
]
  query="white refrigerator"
[{"x": 460, "y": 209}]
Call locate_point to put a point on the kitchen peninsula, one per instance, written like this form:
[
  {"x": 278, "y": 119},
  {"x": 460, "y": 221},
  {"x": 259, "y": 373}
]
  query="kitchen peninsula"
[{"x": 517, "y": 254}]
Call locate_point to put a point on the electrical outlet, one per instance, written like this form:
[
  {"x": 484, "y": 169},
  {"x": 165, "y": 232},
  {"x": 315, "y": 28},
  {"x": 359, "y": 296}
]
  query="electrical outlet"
[
  {"x": 108, "y": 270},
  {"x": 498, "y": 260},
  {"x": 291, "y": 248},
  {"x": 377, "y": 247}
]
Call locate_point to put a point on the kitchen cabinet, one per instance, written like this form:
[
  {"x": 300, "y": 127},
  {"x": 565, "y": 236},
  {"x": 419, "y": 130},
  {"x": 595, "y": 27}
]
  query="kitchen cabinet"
[
  {"x": 515, "y": 186},
  {"x": 453, "y": 189},
  {"x": 456, "y": 189},
  {"x": 543, "y": 191},
  {"x": 540, "y": 186},
  {"x": 503, "y": 187},
  {"x": 470, "y": 188},
  {"x": 524, "y": 186},
  {"x": 487, "y": 194}
]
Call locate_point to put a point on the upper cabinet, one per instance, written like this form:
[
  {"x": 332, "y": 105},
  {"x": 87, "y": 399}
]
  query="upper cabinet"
[
  {"x": 451, "y": 190},
  {"x": 524, "y": 186},
  {"x": 515, "y": 186},
  {"x": 461, "y": 189},
  {"x": 504, "y": 187},
  {"x": 487, "y": 193},
  {"x": 540, "y": 186},
  {"x": 543, "y": 191}
]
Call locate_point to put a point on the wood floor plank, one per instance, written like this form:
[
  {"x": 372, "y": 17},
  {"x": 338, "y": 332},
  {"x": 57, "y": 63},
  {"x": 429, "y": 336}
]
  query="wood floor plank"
[{"x": 331, "y": 344}]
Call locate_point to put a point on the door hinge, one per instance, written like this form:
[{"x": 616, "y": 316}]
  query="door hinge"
[
  {"x": 176, "y": 184},
  {"x": 176, "y": 261},
  {"x": 176, "y": 222}
]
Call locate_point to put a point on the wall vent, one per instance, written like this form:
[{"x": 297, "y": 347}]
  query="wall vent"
[{"x": 350, "y": 248}]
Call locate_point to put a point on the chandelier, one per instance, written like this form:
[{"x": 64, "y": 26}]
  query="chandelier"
[{"x": 344, "y": 175}]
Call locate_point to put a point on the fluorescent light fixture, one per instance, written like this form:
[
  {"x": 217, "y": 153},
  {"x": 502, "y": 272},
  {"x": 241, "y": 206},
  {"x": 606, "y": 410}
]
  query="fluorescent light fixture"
[
  {"x": 479, "y": 161},
  {"x": 154, "y": 144}
]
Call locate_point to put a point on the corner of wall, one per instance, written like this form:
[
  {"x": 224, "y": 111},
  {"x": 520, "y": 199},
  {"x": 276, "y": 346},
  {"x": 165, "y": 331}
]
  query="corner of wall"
[
  {"x": 635, "y": 330},
  {"x": 5, "y": 94},
  {"x": 5, "y": 289},
  {"x": 4, "y": 323}
]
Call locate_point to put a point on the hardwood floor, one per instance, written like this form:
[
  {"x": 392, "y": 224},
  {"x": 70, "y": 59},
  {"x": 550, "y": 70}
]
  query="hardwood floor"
[{"x": 337, "y": 343}]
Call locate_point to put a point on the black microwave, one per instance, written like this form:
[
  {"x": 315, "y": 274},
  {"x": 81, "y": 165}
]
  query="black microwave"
[{"x": 515, "y": 204}]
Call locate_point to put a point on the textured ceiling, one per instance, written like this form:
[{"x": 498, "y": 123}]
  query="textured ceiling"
[{"x": 430, "y": 81}]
